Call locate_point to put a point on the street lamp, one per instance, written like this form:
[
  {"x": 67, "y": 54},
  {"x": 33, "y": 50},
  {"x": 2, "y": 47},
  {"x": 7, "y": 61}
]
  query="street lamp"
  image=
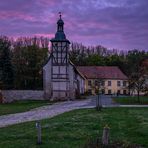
[{"x": 98, "y": 99}]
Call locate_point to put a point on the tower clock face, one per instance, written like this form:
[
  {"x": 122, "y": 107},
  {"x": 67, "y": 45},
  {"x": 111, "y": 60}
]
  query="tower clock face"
[{"x": 60, "y": 53}]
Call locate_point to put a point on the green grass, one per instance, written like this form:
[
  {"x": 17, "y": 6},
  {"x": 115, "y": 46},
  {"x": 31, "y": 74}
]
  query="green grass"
[
  {"x": 20, "y": 106},
  {"x": 131, "y": 100},
  {"x": 73, "y": 129}
]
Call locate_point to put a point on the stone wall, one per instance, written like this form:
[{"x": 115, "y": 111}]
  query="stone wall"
[{"x": 13, "y": 95}]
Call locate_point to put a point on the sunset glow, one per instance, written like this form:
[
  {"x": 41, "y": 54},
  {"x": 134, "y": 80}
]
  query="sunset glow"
[{"x": 121, "y": 24}]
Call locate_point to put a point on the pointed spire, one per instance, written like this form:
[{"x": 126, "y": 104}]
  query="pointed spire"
[
  {"x": 60, "y": 35},
  {"x": 60, "y": 23}
]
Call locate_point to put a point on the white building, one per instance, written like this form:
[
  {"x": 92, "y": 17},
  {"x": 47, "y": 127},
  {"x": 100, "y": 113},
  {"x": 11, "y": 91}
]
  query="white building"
[{"x": 60, "y": 77}]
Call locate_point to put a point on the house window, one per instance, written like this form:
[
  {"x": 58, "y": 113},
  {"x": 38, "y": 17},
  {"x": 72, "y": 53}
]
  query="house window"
[
  {"x": 103, "y": 91},
  {"x": 124, "y": 92},
  {"x": 118, "y": 92},
  {"x": 118, "y": 83},
  {"x": 89, "y": 91},
  {"x": 109, "y": 83},
  {"x": 89, "y": 82},
  {"x": 102, "y": 83},
  {"x": 124, "y": 83},
  {"x": 109, "y": 91},
  {"x": 96, "y": 91},
  {"x": 96, "y": 83}
]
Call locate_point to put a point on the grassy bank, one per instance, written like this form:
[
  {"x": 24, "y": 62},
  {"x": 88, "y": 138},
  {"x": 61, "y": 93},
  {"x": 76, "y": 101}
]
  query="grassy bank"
[
  {"x": 73, "y": 129},
  {"x": 131, "y": 100},
  {"x": 20, "y": 106}
]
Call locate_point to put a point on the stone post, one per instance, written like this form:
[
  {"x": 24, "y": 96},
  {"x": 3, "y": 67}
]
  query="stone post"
[
  {"x": 105, "y": 136},
  {"x": 38, "y": 126}
]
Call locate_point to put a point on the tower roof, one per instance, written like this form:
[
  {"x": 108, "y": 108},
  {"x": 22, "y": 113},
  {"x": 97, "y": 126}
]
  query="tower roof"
[{"x": 60, "y": 35}]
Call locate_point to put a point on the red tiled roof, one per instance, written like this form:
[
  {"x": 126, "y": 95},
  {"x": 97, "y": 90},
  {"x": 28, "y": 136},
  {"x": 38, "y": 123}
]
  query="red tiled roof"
[{"x": 103, "y": 72}]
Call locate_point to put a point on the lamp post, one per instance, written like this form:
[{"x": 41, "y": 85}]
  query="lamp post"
[{"x": 98, "y": 99}]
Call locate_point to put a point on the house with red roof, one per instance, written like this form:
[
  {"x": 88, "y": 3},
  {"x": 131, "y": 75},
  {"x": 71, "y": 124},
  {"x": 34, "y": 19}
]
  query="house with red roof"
[{"x": 106, "y": 79}]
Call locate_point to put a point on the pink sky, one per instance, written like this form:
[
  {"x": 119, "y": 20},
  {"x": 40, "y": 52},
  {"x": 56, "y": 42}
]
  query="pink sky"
[{"x": 120, "y": 24}]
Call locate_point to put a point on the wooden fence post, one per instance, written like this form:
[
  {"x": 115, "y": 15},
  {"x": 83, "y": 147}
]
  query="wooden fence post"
[
  {"x": 39, "y": 138},
  {"x": 105, "y": 136}
]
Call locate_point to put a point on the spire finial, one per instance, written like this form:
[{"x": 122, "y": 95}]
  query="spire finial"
[{"x": 60, "y": 15}]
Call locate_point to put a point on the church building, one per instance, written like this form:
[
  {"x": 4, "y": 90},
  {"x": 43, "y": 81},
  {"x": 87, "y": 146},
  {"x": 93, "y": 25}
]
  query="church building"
[{"x": 61, "y": 79}]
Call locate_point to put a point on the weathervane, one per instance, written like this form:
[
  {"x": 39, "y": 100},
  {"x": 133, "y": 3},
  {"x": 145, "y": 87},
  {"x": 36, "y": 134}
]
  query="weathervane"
[{"x": 60, "y": 15}]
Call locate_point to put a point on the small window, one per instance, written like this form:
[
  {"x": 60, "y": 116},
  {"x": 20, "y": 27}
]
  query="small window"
[
  {"x": 109, "y": 83},
  {"x": 124, "y": 83},
  {"x": 118, "y": 83},
  {"x": 109, "y": 91},
  {"x": 124, "y": 92},
  {"x": 89, "y": 82},
  {"x": 96, "y": 91},
  {"x": 89, "y": 91},
  {"x": 103, "y": 91},
  {"x": 118, "y": 92},
  {"x": 96, "y": 83},
  {"x": 102, "y": 83}
]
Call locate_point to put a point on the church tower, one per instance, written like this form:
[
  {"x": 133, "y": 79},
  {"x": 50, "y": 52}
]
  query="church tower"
[
  {"x": 60, "y": 59},
  {"x": 58, "y": 74}
]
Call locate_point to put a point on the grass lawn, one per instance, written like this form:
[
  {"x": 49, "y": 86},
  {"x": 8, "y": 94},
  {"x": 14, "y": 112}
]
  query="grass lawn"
[
  {"x": 131, "y": 100},
  {"x": 73, "y": 129},
  {"x": 21, "y": 106}
]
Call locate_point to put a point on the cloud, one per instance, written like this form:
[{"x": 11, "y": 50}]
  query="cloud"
[{"x": 119, "y": 24}]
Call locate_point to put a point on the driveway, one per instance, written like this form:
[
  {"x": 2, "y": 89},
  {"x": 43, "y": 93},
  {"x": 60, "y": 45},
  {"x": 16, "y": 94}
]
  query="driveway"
[
  {"x": 53, "y": 110},
  {"x": 43, "y": 112},
  {"x": 105, "y": 101}
]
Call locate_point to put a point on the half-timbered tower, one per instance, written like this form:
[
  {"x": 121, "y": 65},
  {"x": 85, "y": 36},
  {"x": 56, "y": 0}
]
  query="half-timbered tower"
[{"x": 61, "y": 78}]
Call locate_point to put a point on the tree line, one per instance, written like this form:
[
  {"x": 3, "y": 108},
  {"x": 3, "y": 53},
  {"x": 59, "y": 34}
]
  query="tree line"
[
  {"x": 21, "y": 62},
  {"x": 22, "y": 59},
  {"x": 130, "y": 62}
]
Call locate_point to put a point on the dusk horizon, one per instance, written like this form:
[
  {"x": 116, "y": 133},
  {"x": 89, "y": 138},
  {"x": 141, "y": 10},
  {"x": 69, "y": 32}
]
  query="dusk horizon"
[{"x": 113, "y": 24}]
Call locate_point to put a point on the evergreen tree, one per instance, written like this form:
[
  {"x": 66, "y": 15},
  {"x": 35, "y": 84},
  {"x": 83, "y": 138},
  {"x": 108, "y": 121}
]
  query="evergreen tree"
[
  {"x": 29, "y": 55},
  {"x": 6, "y": 68}
]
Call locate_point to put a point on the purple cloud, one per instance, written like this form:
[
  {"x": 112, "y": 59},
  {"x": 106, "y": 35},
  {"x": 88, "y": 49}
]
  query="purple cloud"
[{"x": 121, "y": 24}]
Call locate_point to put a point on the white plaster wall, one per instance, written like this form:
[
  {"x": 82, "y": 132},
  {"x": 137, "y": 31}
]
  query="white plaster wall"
[
  {"x": 71, "y": 85},
  {"x": 82, "y": 84},
  {"x": 47, "y": 80},
  {"x": 59, "y": 86}
]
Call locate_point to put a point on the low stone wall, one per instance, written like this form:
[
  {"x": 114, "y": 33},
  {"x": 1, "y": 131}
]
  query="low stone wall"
[{"x": 13, "y": 95}]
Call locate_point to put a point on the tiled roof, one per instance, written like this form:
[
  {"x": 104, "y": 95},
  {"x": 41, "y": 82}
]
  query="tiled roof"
[{"x": 103, "y": 72}]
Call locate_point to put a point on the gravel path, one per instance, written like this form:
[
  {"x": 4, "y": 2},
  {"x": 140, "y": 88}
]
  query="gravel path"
[
  {"x": 43, "y": 112},
  {"x": 58, "y": 108}
]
